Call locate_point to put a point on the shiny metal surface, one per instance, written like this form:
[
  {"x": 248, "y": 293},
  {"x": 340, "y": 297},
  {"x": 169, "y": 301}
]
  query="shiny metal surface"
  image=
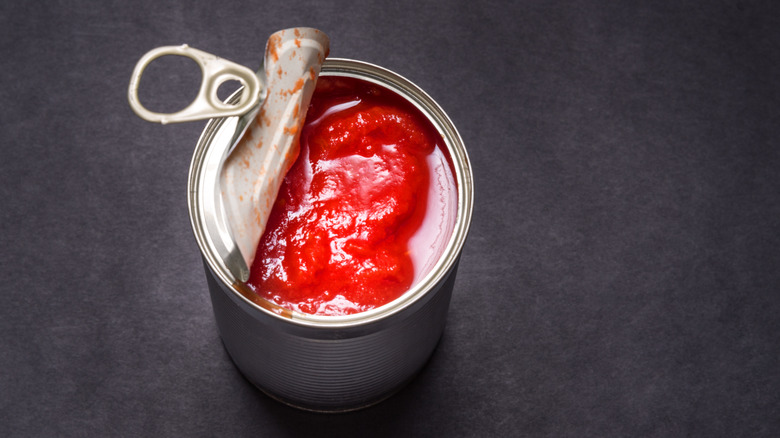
[
  {"x": 255, "y": 169},
  {"x": 215, "y": 71},
  {"x": 330, "y": 363}
]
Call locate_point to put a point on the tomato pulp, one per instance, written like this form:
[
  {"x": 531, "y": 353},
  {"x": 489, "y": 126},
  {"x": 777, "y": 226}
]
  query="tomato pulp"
[{"x": 364, "y": 211}]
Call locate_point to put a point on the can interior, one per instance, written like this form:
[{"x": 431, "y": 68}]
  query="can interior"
[{"x": 205, "y": 206}]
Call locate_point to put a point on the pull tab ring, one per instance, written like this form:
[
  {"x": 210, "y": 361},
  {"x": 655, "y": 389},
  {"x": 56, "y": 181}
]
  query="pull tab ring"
[{"x": 206, "y": 105}]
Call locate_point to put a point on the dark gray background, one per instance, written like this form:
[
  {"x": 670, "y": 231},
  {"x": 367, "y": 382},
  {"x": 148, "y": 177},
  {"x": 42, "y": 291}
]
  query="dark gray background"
[{"x": 620, "y": 279}]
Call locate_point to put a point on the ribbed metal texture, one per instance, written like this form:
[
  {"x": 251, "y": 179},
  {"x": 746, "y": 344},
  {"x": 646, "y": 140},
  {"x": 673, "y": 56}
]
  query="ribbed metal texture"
[{"x": 358, "y": 366}]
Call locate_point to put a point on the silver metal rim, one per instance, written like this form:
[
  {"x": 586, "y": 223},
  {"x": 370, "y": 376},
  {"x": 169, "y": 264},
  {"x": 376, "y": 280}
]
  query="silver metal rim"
[{"x": 463, "y": 177}]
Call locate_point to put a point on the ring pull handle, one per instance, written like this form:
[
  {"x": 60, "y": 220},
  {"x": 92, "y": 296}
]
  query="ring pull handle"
[{"x": 206, "y": 105}]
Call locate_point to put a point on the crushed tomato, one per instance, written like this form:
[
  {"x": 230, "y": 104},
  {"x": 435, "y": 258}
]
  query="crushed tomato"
[{"x": 337, "y": 239}]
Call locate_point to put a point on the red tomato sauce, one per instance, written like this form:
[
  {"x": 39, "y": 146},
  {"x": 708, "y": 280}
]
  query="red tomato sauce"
[{"x": 361, "y": 213}]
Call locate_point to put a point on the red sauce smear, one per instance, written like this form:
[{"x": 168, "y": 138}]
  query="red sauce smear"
[{"x": 337, "y": 241}]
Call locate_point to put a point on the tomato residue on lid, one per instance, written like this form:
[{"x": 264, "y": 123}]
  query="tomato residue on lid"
[{"x": 344, "y": 233}]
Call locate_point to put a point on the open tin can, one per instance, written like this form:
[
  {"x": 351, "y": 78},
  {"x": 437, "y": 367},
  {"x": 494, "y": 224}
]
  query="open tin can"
[{"x": 330, "y": 363}]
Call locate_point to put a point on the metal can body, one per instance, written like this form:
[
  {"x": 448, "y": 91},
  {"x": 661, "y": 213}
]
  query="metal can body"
[{"x": 332, "y": 363}]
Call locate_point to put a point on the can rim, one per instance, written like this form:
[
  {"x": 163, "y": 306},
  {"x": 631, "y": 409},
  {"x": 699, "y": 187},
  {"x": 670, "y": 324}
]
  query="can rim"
[{"x": 462, "y": 173}]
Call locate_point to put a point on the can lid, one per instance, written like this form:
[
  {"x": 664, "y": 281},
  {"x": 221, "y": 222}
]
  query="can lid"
[{"x": 254, "y": 169}]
